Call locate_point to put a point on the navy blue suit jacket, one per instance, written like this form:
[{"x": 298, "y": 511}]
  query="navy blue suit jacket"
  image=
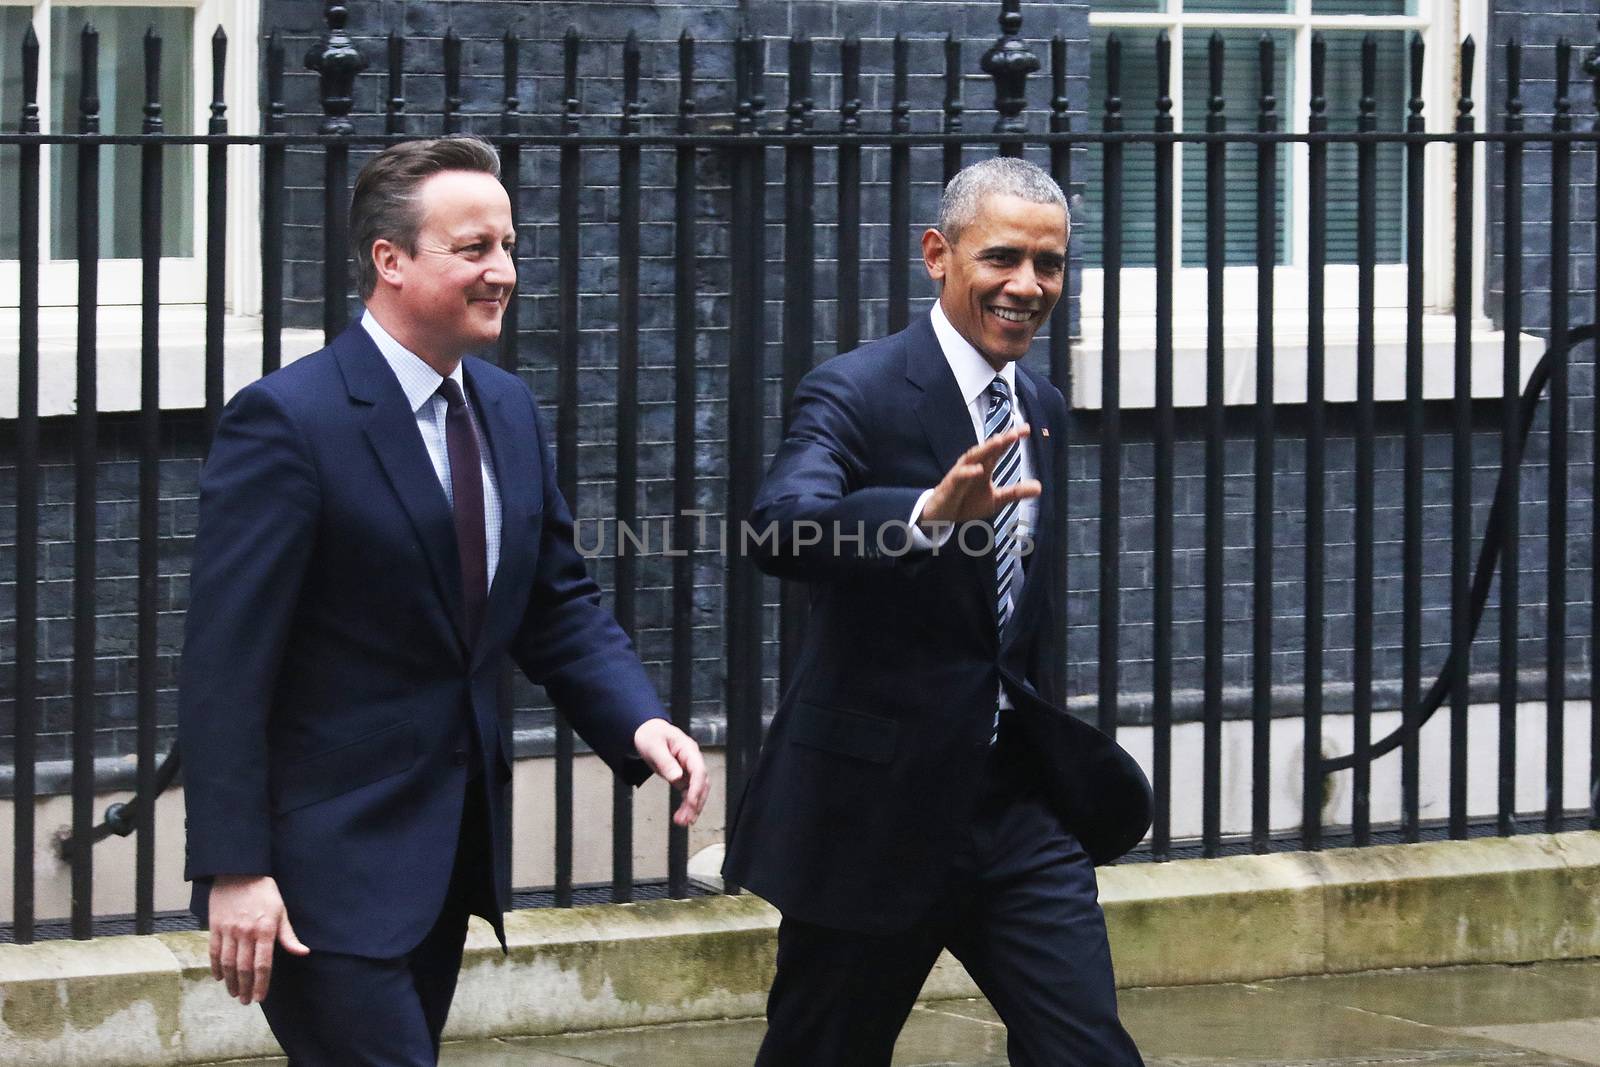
[
  {"x": 869, "y": 774},
  {"x": 327, "y": 691}
]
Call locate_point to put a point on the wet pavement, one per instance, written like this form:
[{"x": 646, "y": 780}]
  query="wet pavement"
[{"x": 1542, "y": 1015}]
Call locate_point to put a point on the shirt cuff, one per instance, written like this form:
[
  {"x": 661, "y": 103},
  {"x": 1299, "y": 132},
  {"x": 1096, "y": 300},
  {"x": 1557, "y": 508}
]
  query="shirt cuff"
[{"x": 919, "y": 537}]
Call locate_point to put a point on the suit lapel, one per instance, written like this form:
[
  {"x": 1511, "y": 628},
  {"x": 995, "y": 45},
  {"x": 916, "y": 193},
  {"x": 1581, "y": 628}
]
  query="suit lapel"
[
  {"x": 391, "y": 430},
  {"x": 941, "y": 409},
  {"x": 947, "y": 424},
  {"x": 516, "y": 475},
  {"x": 1041, "y": 450}
]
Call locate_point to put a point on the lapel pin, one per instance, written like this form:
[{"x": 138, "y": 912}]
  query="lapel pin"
[{"x": 1044, "y": 431}]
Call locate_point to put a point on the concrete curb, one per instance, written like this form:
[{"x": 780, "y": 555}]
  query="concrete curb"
[{"x": 150, "y": 1000}]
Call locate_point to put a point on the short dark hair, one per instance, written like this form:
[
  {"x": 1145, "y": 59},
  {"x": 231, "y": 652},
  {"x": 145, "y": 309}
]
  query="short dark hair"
[{"x": 384, "y": 204}]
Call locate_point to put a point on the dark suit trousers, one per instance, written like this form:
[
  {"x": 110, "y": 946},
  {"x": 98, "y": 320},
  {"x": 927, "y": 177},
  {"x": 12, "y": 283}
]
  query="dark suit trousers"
[
  {"x": 333, "y": 1010},
  {"x": 1022, "y": 914}
]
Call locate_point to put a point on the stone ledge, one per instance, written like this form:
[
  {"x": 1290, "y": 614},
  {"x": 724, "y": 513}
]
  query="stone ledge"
[{"x": 150, "y": 1000}]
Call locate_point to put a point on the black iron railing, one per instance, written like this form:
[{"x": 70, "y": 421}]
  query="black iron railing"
[{"x": 798, "y": 138}]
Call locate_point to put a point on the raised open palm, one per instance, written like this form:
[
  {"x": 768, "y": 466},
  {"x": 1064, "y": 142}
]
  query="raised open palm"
[{"x": 968, "y": 492}]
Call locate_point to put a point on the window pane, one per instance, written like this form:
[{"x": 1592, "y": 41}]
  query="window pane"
[
  {"x": 121, "y": 75},
  {"x": 13, "y": 25},
  {"x": 1363, "y": 7},
  {"x": 1131, "y": 5},
  {"x": 1241, "y": 104},
  {"x": 1138, "y": 166},
  {"x": 1344, "y": 98},
  {"x": 1240, "y": 7}
]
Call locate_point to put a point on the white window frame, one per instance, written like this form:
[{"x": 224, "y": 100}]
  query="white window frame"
[
  {"x": 182, "y": 278},
  {"x": 1443, "y": 24}
]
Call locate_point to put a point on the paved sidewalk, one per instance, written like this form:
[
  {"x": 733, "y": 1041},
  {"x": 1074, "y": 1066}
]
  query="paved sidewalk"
[{"x": 1545, "y": 1015}]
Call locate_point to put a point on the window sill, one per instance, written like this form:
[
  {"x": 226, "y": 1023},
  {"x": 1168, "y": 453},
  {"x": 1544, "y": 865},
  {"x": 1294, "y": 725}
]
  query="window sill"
[
  {"x": 1137, "y": 376},
  {"x": 183, "y": 347}
]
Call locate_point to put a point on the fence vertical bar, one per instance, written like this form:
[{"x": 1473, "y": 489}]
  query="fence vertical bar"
[
  {"x": 751, "y": 607},
  {"x": 1265, "y": 460},
  {"x": 150, "y": 159},
  {"x": 338, "y": 61},
  {"x": 394, "y": 120},
  {"x": 217, "y": 230},
  {"x": 510, "y": 344},
  {"x": 571, "y": 178},
  {"x": 1591, "y": 67},
  {"x": 1060, "y": 344},
  {"x": 1009, "y": 62},
  {"x": 626, "y": 571},
  {"x": 1216, "y": 439},
  {"x": 1556, "y": 553},
  {"x": 84, "y": 526},
  {"x": 452, "y": 81},
  {"x": 900, "y": 190},
  {"x": 849, "y": 191},
  {"x": 511, "y": 178},
  {"x": 743, "y": 622},
  {"x": 1510, "y": 446},
  {"x": 1110, "y": 599},
  {"x": 1411, "y": 566},
  {"x": 952, "y": 104},
  {"x": 684, "y": 441},
  {"x": 272, "y": 163},
  {"x": 1366, "y": 432},
  {"x": 1165, "y": 434},
  {"x": 1461, "y": 457},
  {"x": 1312, "y": 790},
  {"x": 27, "y": 634},
  {"x": 799, "y": 246},
  {"x": 739, "y": 578}
]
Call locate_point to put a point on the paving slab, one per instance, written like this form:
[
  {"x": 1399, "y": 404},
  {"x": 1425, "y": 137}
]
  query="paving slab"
[
  {"x": 1538, "y": 1015},
  {"x": 1299, "y": 1023},
  {"x": 1576, "y": 1041},
  {"x": 1462, "y": 996},
  {"x": 931, "y": 1037}
]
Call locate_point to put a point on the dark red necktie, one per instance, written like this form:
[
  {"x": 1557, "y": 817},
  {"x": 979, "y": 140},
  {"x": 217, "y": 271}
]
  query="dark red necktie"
[{"x": 466, "y": 488}]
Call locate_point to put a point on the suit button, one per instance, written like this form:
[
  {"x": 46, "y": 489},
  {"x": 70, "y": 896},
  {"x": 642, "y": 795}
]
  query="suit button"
[{"x": 459, "y": 757}]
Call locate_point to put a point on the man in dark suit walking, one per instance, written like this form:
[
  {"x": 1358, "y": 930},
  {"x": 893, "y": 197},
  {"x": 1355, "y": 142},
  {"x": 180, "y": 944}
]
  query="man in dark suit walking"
[
  {"x": 921, "y": 787},
  {"x": 379, "y": 525}
]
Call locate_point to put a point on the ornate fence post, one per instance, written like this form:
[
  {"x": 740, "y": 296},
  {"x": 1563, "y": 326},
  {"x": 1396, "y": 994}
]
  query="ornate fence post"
[
  {"x": 338, "y": 61},
  {"x": 1009, "y": 63}
]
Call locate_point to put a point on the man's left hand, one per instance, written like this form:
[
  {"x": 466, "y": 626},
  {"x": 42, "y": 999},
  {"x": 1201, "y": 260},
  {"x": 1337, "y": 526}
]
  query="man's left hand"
[{"x": 675, "y": 758}]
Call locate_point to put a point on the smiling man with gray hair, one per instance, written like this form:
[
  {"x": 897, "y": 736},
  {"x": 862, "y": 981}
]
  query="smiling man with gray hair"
[{"x": 922, "y": 787}]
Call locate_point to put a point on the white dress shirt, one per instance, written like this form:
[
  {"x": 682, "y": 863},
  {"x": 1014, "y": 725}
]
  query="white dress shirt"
[
  {"x": 973, "y": 375},
  {"x": 420, "y": 383}
]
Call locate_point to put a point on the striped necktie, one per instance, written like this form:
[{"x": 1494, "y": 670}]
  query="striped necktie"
[{"x": 1007, "y": 560}]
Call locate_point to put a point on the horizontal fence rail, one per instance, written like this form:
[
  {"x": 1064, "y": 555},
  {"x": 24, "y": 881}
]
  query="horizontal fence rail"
[{"x": 759, "y": 193}]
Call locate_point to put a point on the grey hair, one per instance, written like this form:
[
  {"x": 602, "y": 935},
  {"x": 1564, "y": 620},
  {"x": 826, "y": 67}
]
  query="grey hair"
[
  {"x": 384, "y": 204},
  {"x": 999, "y": 176}
]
